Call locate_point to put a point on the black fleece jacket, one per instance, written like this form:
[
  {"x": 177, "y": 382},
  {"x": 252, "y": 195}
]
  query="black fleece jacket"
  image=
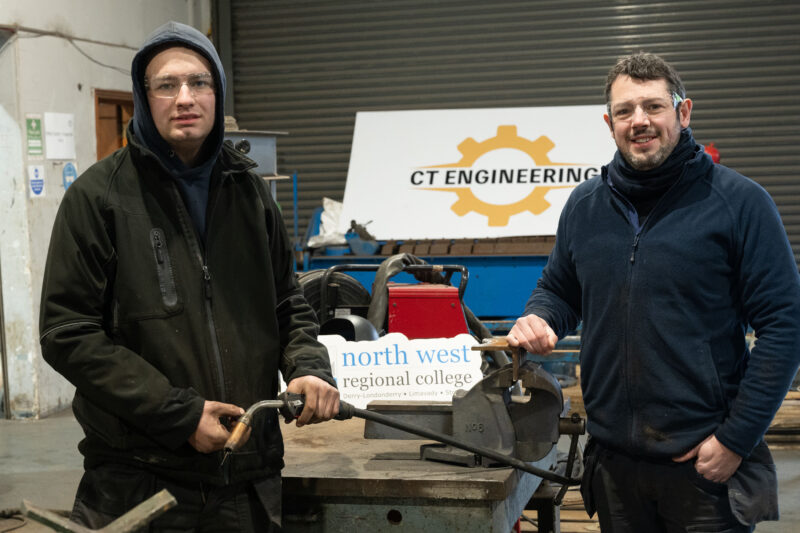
[{"x": 665, "y": 307}]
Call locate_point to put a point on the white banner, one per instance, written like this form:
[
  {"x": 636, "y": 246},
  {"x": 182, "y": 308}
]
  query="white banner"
[
  {"x": 396, "y": 368},
  {"x": 470, "y": 173}
]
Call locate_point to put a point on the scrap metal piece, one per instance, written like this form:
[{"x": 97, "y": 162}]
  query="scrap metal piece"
[{"x": 136, "y": 518}]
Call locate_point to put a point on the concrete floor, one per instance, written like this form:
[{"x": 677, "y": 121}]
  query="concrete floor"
[{"x": 39, "y": 462}]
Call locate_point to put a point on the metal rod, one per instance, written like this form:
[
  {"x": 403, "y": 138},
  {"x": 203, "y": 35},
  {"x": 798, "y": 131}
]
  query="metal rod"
[
  {"x": 573, "y": 449},
  {"x": 144, "y": 513},
  {"x": 133, "y": 520},
  {"x": 480, "y": 450},
  {"x": 347, "y": 411}
]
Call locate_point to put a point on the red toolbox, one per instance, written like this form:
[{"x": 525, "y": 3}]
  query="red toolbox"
[{"x": 425, "y": 311}]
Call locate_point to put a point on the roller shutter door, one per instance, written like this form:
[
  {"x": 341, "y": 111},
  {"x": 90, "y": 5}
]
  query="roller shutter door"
[{"x": 307, "y": 67}]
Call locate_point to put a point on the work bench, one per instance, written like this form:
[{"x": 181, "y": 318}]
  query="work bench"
[{"x": 335, "y": 480}]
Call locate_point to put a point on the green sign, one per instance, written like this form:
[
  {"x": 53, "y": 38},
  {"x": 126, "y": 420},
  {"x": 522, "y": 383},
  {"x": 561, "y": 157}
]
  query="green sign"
[{"x": 34, "y": 127}]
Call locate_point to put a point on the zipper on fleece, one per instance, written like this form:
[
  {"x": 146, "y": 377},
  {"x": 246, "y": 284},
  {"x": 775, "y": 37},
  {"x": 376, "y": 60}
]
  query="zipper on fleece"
[
  {"x": 207, "y": 291},
  {"x": 200, "y": 253},
  {"x": 638, "y": 228},
  {"x": 635, "y": 246},
  {"x": 209, "y": 308},
  {"x": 169, "y": 295},
  {"x": 212, "y": 330},
  {"x": 207, "y": 283}
]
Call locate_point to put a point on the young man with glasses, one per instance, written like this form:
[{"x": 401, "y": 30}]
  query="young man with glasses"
[
  {"x": 170, "y": 302},
  {"x": 667, "y": 258}
]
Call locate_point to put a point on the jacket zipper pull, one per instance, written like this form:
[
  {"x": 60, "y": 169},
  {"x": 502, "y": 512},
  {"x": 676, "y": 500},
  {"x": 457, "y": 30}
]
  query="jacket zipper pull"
[
  {"x": 207, "y": 281},
  {"x": 635, "y": 244},
  {"x": 159, "y": 246}
]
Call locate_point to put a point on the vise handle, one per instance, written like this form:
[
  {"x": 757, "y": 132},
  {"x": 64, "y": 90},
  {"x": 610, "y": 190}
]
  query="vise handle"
[{"x": 494, "y": 344}]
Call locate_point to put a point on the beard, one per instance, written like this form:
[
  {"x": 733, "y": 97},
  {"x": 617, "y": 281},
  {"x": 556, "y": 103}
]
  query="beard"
[
  {"x": 648, "y": 161},
  {"x": 655, "y": 159}
]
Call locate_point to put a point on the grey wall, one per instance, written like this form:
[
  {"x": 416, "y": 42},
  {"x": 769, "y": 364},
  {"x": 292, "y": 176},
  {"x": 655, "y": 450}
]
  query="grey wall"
[
  {"x": 45, "y": 73},
  {"x": 307, "y": 67}
]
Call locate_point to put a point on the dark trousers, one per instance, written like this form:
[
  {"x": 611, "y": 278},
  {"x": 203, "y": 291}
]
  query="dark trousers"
[
  {"x": 637, "y": 495},
  {"x": 109, "y": 491}
]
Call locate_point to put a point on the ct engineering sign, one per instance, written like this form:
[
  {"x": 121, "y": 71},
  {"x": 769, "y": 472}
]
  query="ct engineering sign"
[
  {"x": 460, "y": 180},
  {"x": 513, "y": 181}
]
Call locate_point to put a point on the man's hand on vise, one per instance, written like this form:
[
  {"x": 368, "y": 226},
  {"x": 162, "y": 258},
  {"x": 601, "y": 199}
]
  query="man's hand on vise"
[
  {"x": 322, "y": 400},
  {"x": 533, "y": 334},
  {"x": 210, "y": 434},
  {"x": 715, "y": 462}
]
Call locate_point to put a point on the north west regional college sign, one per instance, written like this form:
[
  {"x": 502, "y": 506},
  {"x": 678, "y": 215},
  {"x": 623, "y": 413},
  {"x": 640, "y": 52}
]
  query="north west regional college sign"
[{"x": 472, "y": 173}]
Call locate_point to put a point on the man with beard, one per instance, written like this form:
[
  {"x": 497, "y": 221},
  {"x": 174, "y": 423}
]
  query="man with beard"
[{"x": 666, "y": 258}]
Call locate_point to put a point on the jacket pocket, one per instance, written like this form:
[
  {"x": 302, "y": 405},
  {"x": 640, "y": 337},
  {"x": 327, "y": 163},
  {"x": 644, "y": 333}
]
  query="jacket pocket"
[
  {"x": 590, "y": 453},
  {"x": 146, "y": 283},
  {"x": 166, "y": 280},
  {"x": 753, "y": 489},
  {"x": 708, "y": 373},
  {"x": 706, "y": 485},
  {"x": 111, "y": 490},
  {"x": 264, "y": 451}
]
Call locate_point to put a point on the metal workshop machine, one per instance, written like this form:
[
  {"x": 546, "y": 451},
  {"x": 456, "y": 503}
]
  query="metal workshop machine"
[{"x": 395, "y": 478}]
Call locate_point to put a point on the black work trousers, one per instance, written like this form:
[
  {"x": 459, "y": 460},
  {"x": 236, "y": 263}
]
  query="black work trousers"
[
  {"x": 637, "y": 495},
  {"x": 109, "y": 491}
]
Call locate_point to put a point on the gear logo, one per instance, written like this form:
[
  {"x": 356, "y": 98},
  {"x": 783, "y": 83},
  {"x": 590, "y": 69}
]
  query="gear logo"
[{"x": 499, "y": 214}]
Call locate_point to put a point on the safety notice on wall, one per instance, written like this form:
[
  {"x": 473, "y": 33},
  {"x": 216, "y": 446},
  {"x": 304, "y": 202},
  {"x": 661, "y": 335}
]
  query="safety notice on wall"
[
  {"x": 60, "y": 135},
  {"x": 69, "y": 174},
  {"x": 471, "y": 173},
  {"x": 36, "y": 181},
  {"x": 396, "y": 368},
  {"x": 33, "y": 129}
]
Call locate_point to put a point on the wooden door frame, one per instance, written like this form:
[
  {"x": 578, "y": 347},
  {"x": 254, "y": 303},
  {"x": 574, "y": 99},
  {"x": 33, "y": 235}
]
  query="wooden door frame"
[{"x": 108, "y": 96}]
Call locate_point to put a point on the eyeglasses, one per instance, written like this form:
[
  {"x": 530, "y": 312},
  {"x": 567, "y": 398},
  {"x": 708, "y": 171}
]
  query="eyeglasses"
[
  {"x": 200, "y": 84},
  {"x": 651, "y": 108}
]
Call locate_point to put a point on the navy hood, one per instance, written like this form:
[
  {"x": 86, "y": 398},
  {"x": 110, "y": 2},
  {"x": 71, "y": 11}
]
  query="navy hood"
[{"x": 177, "y": 34}]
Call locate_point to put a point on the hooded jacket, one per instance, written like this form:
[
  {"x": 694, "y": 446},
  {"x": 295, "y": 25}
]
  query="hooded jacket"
[
  {"x": 665, "y": 308},
  {"x": 148, "y": 323},
  {"x": 192, "y": 182}
]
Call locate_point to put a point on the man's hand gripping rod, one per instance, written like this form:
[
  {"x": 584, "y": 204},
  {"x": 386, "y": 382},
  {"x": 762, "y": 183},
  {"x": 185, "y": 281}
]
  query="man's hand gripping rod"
[{"x": 290, "y": 406}]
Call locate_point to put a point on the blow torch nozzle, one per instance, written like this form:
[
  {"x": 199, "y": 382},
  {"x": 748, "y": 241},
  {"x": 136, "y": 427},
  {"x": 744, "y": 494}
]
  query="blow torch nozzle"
[{"x": 289, "y": 405}]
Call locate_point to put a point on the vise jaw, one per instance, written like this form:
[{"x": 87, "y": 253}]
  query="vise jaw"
[{"x": 525, "y": 426}]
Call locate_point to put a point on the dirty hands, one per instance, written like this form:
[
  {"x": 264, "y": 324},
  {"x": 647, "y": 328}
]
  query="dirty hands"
[
  {"x": 210, "y": 434},
  {"x": 533, "y": 334},
  {"x": 714, "y": 461},
  {"x": 322, "y": 399}
]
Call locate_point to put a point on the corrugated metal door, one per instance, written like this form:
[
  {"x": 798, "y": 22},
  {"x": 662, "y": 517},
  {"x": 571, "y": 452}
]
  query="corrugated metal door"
[{"x": 307, "y": 67}]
